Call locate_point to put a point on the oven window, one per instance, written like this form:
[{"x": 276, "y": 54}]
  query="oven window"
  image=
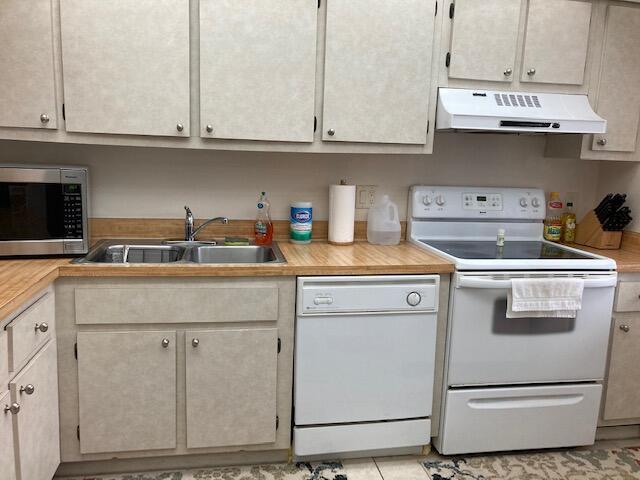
[{"x": 31, "y": 211}]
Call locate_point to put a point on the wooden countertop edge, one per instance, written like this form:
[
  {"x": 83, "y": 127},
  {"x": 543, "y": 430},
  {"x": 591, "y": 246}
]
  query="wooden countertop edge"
[{"x": 243, "y": 271}]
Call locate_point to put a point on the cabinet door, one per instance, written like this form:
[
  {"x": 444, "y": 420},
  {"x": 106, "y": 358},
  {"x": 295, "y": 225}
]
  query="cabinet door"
[
  {"x": 378, "y": 70},
  {"x": 38, "y": 424},
  {"x": 623, "y": 382},
  {"x": 231, "y": 387},
  {"x": 557, "y": 39},
  {"x": 27, "y": 86},
  {"x": 484, "y": 39},
  {"x": 618, "y": 100},
  {"x": 126, "y": 66},
  {"x": 7, "y": 452},
  {"x": 127, "y": 390},
  {"x": 258, "y": 69}
]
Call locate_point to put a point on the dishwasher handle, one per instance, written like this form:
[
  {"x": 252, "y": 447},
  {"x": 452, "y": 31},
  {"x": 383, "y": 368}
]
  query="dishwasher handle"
[{"x": 481, "y": 282}]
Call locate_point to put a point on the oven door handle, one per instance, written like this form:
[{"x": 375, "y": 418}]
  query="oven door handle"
[{"x": 479, "y": 282}]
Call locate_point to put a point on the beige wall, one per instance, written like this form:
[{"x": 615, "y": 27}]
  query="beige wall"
[
  {"x": 622, "y": 177},
  {"x": 149, "y": 182}
]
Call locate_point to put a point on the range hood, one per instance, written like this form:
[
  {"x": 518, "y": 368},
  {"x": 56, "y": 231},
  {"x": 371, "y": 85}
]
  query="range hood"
[{"x": 493, "y": 111}]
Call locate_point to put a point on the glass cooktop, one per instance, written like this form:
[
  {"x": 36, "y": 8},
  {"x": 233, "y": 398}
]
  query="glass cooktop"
[{"x": 488, "y": 250}]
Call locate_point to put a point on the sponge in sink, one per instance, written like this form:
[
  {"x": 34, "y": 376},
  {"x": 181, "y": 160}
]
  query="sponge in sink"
[{"x": 236, "y": 241}]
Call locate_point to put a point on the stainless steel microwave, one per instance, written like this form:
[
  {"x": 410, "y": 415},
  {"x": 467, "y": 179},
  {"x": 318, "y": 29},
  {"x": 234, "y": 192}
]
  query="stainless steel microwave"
[{"x": 43, "y": 211}]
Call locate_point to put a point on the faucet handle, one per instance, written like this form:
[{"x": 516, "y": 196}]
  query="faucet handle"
[{"x": 188, "y": 210}]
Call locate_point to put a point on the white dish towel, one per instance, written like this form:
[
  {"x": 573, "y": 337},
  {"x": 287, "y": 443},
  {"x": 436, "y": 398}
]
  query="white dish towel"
[{"x": 545, "y": 297}]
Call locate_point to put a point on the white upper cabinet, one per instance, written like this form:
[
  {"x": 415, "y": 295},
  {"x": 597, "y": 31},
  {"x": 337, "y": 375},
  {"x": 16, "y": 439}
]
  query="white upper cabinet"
[
  {"x": 27, "y": 85},
  {"x": 258, "y": 69},
  {"x": 556, "y": 42},
  {"x": 377, "y": 78},
  {"x": 126, "y": 66},
  {"x": 618, "y": 95},
  {"x": 484, "y": 40}
]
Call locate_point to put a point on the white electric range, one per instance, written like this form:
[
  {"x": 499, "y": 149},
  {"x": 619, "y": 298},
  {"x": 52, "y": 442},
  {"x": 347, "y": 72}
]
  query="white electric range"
[{"x": 512, "y": 383}]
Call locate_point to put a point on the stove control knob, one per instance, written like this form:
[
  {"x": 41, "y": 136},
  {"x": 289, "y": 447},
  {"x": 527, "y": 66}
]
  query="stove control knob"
[
  {"x": 427, "y": 200},
  {"x": 524, "y": 203},
  {"x": 414, "y": 299},
  {"x": 440, "y": 200},
  {"x": 535, "y": 203}
]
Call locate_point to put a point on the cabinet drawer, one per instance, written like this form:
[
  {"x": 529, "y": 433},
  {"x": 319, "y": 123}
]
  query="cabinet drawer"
[
  {"x": 4, "y": 357},
  {"x": 483, "y": 420},
  {"x": 24, "y": 338},
  {"x": 175, "y": 305},
  {"x": 628, "y": 297}
]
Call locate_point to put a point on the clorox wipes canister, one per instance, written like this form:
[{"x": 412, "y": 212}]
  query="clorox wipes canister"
[{"x": 301, "y": 222}]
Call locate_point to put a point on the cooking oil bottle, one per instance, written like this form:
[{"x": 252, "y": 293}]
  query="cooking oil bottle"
[
  {"x": 569, "y": 224},
  {"x": 553, "y": 221}
]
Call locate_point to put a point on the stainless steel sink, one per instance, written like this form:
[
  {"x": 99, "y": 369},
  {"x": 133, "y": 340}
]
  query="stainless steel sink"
[
  {"x": 236, "y": 254},
  {"x": 134, "y": 253},
  {"x": 144, "y": 251}
]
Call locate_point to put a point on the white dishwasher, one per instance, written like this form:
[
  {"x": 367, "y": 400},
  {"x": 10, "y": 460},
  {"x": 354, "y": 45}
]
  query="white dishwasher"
[{"x": 364, "y": 363}]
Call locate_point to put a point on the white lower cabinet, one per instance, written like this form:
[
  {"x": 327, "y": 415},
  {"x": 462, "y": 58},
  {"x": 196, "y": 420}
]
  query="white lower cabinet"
[
  {"x": 519, "y": 418},
  {"x": 7, "y": 452},
  {"x": 127, "y": 390},
  {"x": 37, "y": 428},
  {"x": 231, "y": 386}
]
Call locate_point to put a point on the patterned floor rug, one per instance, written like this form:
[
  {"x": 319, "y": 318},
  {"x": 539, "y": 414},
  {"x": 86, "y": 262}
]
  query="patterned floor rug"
[
  {"x": 295, "y": 471},
  {"x": 615, "y": 464}
]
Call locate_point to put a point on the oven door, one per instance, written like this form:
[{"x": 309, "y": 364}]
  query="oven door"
[{"x": 487, "y": 348}]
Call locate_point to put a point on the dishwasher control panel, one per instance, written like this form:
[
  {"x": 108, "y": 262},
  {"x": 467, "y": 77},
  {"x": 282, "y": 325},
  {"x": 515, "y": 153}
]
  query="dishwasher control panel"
[{"x": 368, "y": 294}]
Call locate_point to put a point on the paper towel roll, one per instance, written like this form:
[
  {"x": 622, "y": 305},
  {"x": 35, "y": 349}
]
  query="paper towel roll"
[{"x": 342, "y": 211}]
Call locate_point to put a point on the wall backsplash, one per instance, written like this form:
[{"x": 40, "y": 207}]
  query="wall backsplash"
[{"x": 155, "y": 183}]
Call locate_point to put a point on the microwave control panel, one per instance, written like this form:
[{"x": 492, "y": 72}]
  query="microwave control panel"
[{"x": 72, "y": 201}]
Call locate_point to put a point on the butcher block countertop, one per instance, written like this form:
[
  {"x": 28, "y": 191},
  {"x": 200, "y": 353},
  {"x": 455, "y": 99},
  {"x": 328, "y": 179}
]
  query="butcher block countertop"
[
  {"x": 21, "y": 279},
  {"x": 627, "y": 257}
]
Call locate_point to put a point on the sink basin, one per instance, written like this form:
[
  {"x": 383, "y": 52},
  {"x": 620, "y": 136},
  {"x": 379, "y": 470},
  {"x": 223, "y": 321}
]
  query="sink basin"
[
  {"x": 236, "y": 254},
  {"x": 134, "y": 253},
  {"x": 140, "y": 251}
]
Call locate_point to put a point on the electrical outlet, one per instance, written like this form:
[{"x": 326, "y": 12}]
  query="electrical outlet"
[{"x": 365, "y": 196}]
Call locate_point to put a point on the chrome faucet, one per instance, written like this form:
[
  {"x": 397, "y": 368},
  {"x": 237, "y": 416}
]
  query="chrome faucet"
[{"x": 190, "y": 232}]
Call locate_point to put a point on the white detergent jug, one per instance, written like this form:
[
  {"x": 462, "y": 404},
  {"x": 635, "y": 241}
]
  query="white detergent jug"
[{"x": 383, "y": 223}]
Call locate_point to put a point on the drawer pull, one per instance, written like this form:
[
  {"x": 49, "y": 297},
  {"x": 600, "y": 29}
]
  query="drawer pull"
[
  {"x": 14, "y": 408},
  {"x": 165, "y": 342},
  {"x": 29, "y": 389},
  {"x": 625, "y": 328},
  {"x": 195, "y": 342},
  {"x": 42, "y": 327}
]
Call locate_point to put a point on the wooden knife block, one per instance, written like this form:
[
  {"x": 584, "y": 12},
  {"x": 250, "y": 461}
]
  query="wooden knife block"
[{"x": 589, "y": 232}]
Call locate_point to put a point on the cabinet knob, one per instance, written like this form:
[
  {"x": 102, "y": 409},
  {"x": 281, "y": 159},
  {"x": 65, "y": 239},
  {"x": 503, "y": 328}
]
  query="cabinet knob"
[
  {"x": 44, "y": 118},
  {"x": 625, "y": 328},
  {"x": 602, "y": 142},
  {"x": 165, "y": 342},
  {"x": 42, "y": 327},
  {"x": 508, "y": 72},
  {"x": 195, "y": 342},
  {"x": 180, "y": 127},
  {"x": 531, "y": 72},
  {"x": 209, "y": 128},
  {"x": 29, "y": 389},
  {"x": 14, "y": 408},
  {"x": 331, "y": 132}
]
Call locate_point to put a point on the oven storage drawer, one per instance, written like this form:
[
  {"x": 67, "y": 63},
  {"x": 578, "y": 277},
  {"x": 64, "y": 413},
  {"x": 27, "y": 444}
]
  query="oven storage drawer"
[{"x": 497, "y": 419}]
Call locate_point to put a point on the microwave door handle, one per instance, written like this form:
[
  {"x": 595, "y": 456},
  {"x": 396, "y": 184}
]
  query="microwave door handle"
[{"x": 479, "y": 282}]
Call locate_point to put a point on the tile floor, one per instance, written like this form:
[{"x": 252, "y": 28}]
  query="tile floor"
[{"x": 412, "y": 468}]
